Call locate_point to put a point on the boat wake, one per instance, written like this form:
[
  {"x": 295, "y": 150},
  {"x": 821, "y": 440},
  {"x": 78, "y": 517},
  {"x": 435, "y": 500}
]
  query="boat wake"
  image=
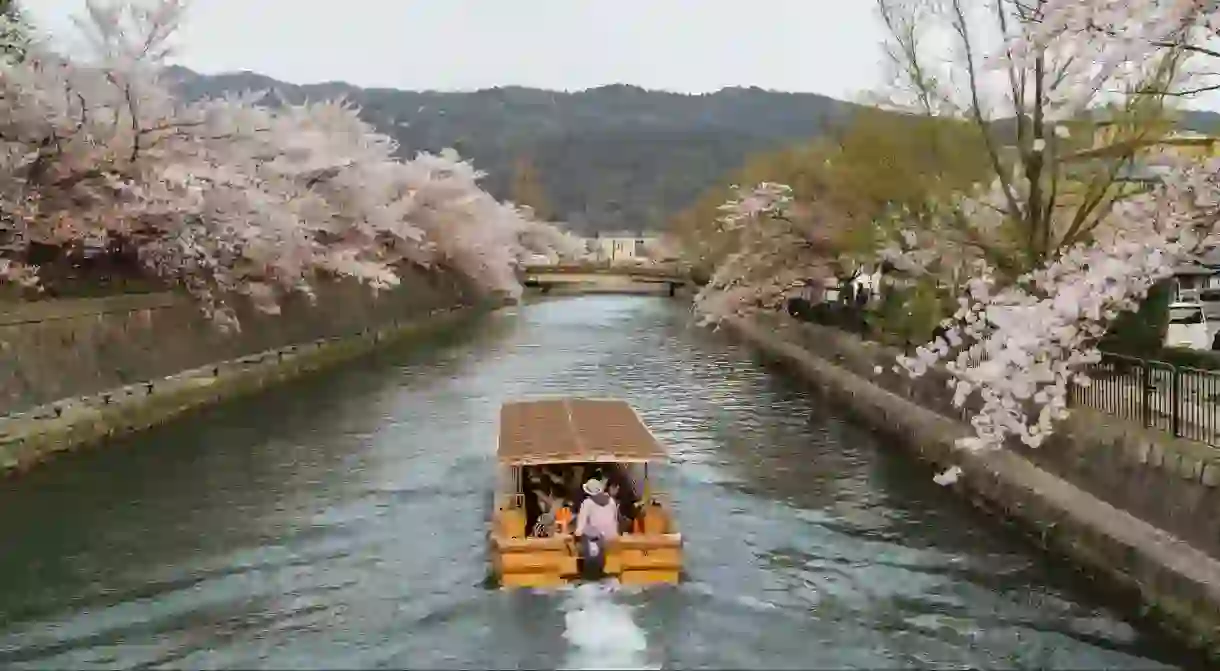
[{"x": 601, "y": 632}]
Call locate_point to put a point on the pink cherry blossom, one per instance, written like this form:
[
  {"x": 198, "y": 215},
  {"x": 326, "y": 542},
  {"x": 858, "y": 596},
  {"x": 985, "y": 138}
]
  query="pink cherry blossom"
[
  {"x": 228, "y": 196},
  {"x": 1021, "y": 338}
]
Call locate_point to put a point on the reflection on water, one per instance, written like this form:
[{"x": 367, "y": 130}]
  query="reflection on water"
[{"x": 338, "y": 523}]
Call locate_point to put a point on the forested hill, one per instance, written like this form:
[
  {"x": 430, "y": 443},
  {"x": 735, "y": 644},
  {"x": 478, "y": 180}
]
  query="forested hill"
[
  {"x": 607, "y": 158},
  {"x": 614, "y": 157}
]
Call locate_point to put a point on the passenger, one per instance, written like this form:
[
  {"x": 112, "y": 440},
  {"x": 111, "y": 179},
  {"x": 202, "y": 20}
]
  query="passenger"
[
  {"x": 544, "y": 525},
  {"x": 626, "y": 511},
  {"x": 596, "y": 523},
  {"x": 554, "y": 479},
  {"x": 548, "y": 507},
  {"x": 563, "y": 518}
]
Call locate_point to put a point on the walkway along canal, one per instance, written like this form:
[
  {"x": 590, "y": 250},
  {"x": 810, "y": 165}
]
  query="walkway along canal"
[{"x": 338, "y": 522}]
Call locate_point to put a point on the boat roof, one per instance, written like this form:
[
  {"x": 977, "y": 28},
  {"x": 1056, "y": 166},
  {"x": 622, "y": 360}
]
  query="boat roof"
[{"x": 569, "y": 430}]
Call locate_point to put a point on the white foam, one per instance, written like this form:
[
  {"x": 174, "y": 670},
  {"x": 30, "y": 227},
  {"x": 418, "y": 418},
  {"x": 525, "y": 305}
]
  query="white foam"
[{"x": 601, "y": 632}]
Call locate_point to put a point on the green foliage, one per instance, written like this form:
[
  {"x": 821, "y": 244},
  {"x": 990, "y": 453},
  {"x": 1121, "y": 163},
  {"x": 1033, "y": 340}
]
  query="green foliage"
[
  {"x": 909, "y": 314},
  {"x": 1142, "y": 333},
  {"x": 800, "y": 167},
  {"x": 875, "y": 164},
  {"x": 621, "y": 157},
  {"x": 14, "y": 31},
  {"x": 1183, "y": 357},
  {"x": 527, "y": 190}
]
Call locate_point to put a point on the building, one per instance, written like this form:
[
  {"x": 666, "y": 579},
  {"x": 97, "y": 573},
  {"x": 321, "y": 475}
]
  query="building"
[
  {"x": 624, "y": 246},
  {"x": 1110, "y": 139},
  {"x": 1192, "y": 278}
]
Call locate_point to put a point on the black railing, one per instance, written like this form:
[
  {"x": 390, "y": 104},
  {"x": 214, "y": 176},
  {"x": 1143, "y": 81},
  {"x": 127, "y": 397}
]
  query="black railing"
[
  {"x": 849, "y": 317},
  {"x": 1182, "y": 401},
  {"x": 1179, "y": 400}
]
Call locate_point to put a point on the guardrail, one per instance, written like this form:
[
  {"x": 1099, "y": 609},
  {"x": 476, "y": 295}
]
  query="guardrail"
[
  {"x": 1179, "y": 400},
  {"x": 587, "y": 269}
]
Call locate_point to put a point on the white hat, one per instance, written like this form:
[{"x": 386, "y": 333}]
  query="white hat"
[{"x": 594, "y": 487}]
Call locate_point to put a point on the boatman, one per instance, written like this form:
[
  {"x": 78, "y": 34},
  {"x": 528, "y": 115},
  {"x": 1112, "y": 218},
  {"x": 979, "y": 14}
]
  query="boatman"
[{"x": 596, "y": 523}]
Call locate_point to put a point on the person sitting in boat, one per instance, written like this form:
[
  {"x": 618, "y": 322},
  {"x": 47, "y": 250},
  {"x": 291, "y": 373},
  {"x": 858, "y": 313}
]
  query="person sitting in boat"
[
  {"x": 563, "y": 518},
  {"x": 626, "y": 506},
  {"x": 548, "y": 507},
  {"x": 596, "y": 522}
]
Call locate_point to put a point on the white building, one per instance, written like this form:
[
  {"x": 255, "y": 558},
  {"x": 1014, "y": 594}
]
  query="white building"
[
  {"x": 1191, "y": 278},
  {"x": 623, "y": 246}
]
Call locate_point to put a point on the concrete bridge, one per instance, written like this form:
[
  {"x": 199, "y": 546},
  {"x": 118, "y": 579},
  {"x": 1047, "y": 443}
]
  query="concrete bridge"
[{"x": 593, "y": 278}]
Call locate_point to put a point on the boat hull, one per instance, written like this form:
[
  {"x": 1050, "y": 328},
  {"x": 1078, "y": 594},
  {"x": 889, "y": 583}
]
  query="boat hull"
[{"x": 632, "y": 559}]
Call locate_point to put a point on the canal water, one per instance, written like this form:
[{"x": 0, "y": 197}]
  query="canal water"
[{"x": 339, "y": 522}]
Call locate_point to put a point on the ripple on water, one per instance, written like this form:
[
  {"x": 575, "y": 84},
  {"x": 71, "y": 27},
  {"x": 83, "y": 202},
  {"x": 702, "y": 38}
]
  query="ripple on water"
[{"x": 339, "y": 523}]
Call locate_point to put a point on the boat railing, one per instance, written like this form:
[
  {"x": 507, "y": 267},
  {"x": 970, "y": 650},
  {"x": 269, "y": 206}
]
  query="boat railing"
[{"x": 511, "y": 502}]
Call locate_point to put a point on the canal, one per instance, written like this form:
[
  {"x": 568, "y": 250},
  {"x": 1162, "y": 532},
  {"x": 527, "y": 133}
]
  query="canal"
[{"x": 338, "y": 522}]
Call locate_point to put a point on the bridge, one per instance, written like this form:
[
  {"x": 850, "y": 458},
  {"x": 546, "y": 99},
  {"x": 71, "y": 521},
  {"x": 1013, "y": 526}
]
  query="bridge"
[{"x": 600, "y": 278}]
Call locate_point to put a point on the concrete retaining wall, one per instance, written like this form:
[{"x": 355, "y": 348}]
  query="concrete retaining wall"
[
  {"x": 74, "y": 372},
  {"x": 1170, "y": 482},
  {"x": 51, "y": 350},
  {"x": 34, "y": 437},
  {"x": 1177, "y": 582}
]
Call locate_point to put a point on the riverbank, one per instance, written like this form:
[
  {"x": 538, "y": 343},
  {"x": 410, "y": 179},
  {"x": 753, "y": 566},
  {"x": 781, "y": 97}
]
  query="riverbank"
[
  {"x": 284, "y": 530},
  {"x": 32, "y": 437},
  {"x": 1178, "y": 585},
  {"x": 68, "y": 348}
]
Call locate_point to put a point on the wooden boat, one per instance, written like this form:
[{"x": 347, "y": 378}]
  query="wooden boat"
[{"x": 570, "y": 439}]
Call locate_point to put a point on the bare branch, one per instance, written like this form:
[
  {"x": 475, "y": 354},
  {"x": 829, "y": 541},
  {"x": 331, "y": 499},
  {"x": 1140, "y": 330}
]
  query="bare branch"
[{"x": 963, "y": 31}]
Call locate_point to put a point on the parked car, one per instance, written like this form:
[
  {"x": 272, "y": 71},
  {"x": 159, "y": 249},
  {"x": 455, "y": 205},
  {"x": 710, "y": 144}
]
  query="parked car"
[
  {"x": 1187, "y": 327},
  {"x": 1210, "y": 298}
]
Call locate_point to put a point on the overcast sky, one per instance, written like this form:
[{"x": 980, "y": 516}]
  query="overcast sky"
[{"x": 823, "y": 46}]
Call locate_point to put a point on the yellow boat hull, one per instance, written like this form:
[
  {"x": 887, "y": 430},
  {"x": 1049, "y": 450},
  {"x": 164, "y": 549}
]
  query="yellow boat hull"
[{"x": 653, "y": 557}]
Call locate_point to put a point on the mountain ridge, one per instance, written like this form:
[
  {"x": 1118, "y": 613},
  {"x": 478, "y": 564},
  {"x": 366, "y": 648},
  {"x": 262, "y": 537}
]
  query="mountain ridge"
[{"x": 611, "y": 157}]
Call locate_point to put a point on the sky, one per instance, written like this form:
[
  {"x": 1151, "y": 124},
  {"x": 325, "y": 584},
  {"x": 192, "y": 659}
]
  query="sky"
[
  {"x": 820, "y": 46},
  {"x": 832, "y": 47}
]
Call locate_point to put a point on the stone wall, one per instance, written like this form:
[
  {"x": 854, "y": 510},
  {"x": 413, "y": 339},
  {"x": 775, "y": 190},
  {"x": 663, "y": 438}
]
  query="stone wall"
[
  {"x": 51, "y": 350},
  {"x": 33, "y": 437},
  {"x": 1170, "y": 482},
  {"x": 1130, "y": 546}
]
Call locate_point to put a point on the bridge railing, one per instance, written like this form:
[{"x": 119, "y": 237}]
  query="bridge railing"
[{"x": 604, "y": 269}]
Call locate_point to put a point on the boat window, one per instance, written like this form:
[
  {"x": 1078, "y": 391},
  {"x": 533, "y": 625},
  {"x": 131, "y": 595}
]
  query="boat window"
[
  {"x": 1210, "y": 295},
  {"x": 1190, "y": 315}
]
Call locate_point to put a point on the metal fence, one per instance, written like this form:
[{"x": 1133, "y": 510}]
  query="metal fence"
[{"x": 1179, "y": 400}]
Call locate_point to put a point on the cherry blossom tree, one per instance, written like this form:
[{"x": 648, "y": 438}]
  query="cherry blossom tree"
[
  {"x": 545, "y": 238},
  {"x": 1043, "y": 279},
  {"x": 14, "y": 31},
  {"x": 1129, "y": 31},
  {"x": 225, "y": 196},
  {"x": 778, "y": 244},
  {"x": 996, "y": 65},
  {"x": 1026, "y": 329}
]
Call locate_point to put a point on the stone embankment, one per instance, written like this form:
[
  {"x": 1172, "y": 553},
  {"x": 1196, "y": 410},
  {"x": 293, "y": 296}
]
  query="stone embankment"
[
  {"x": 75, "y": 372},
  {"x": 1131, "y": 507}
]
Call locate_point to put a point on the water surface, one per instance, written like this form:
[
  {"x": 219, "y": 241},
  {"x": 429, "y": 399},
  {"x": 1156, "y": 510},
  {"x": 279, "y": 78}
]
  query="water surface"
[{"x": 339, "y": 522}]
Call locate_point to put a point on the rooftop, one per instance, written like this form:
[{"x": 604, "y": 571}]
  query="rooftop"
[{"x": 574, "y": 430}]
